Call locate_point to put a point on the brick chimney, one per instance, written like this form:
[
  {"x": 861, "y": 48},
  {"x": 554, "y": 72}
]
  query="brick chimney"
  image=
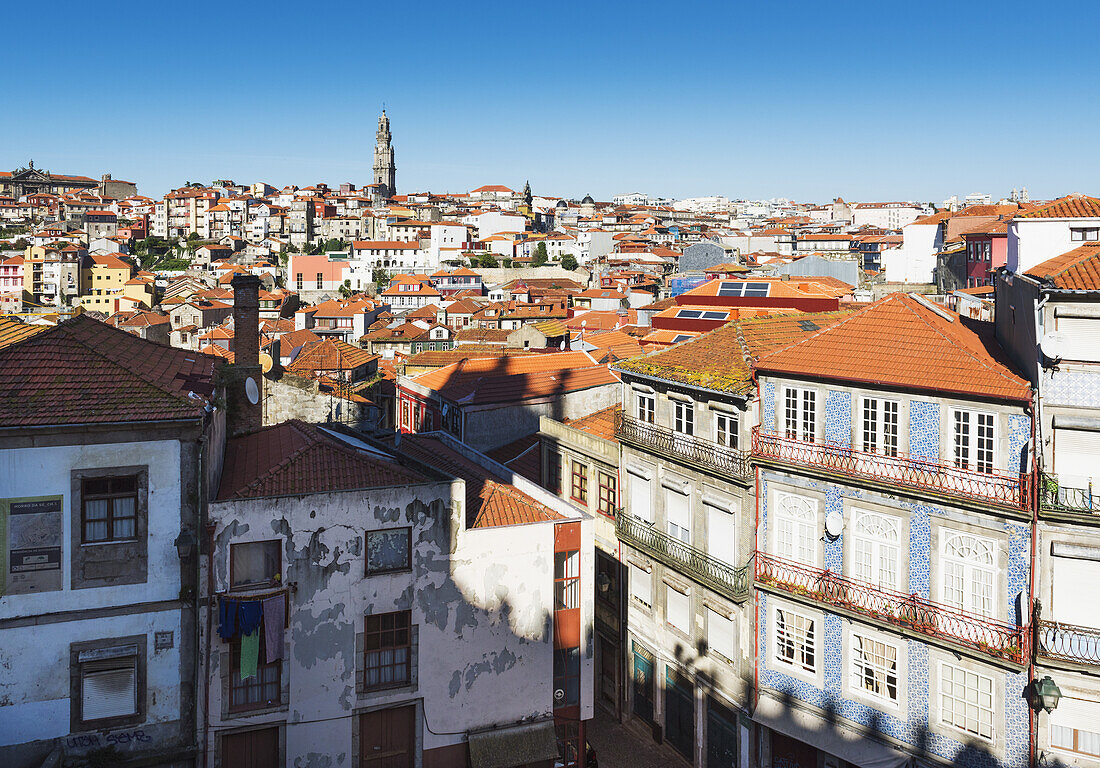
[{"x": 244, "y": 415}]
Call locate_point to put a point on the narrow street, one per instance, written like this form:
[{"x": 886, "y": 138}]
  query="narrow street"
[{"x": 628, "y": 746}]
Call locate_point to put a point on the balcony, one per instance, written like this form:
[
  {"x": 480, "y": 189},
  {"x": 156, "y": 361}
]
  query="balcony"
[
  {"x": 1056, "y": 497},
  {"x": 1007, "y": 489},
  {"x": 697, "y": 566},
  {"x": 683, "y": 448},
  {"x": 988, "y": 636},
  {"x": 1067, "y": 642}
]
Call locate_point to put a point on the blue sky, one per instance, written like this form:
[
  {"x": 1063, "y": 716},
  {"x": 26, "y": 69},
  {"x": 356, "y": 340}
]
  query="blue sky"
[{"x": 809, "y": 100}]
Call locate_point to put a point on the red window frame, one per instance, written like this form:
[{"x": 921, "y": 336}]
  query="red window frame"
[
  {"x": 392, "y": 633},
  {"x": 578, "y": 485},
  {"x": 608, "y": 492}
]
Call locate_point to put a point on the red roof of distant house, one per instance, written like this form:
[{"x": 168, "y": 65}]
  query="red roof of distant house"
[
  {"x": 85, "y": 371},
  {"x": 294, "y": 458},
  {"x": 329, "y": 355},
  {"x": 599, "y": 424},
  {"x": 1068, "y": 207},
  {"x": 522, "y": 455},
  {"x": 900, "y": 342},
  {"x": 513, "y": 378}
]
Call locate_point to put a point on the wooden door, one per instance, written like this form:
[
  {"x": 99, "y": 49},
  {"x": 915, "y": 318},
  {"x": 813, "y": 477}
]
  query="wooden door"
[
  {"x": 387, "y": 738},
  {"x": 251, "y": 749}
]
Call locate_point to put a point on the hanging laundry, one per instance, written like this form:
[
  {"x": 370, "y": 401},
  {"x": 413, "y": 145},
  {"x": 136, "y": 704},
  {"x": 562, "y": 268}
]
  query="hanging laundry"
[
  {"x": 274, "y": 623},
  {"x": 227, "y": 618},
  {"x": 250, "y": 652},
  {"x": 249, "y": 616}
]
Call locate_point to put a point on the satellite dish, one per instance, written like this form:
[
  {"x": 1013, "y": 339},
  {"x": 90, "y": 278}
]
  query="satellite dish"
[
  {"x": 1053, "y": 345},
  {"x": 251, "y": 390},
  {"x": 266, "y": 362},
  {"x": 834, "y": 524}
]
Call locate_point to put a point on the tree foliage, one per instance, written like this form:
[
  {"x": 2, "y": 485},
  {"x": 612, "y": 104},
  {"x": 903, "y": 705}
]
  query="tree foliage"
[
  {"x": 541, "y": 256},
  {"x": 569, "y": 261}
]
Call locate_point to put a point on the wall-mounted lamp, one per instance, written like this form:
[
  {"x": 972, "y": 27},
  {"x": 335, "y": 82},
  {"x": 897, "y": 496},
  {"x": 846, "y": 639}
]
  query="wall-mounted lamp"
[
  {"x": 185, "y": 544},
  {"x": 603, "y": 583},
  {"x": 1043, "y": 694}
]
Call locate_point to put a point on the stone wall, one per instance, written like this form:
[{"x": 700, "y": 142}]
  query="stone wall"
[{"x": 297, "y": 397}]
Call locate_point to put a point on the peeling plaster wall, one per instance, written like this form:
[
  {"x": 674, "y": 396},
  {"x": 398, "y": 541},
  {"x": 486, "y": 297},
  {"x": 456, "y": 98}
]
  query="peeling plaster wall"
[{"x": 482, "y": 617}]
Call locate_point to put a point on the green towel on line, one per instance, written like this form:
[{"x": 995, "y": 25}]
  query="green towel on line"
[{"x": 250, "y": 652}]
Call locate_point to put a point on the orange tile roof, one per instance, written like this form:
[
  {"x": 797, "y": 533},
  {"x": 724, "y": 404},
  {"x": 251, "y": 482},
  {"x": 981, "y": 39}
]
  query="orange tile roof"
[
  {"x": 329, "y": 355},
  {"x": 294, "y": 458},
  {"x": 900, "y": 342},
  {"x": 12, "y": 330},
  {"x": 599, "y": 424},
  {"x": 722, "y": 359},
  {"x": 513, "y": 378},
  {"x": 1076, "y": 270},
  {"x": 523, "y": 456},
  {"x": 489, "y": 501},
  {"x": 1068, "y": 207}
]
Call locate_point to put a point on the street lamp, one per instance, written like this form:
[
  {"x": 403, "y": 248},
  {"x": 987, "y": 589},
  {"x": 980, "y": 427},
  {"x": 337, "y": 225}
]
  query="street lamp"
[
  {"x": 1044, "y": 694},
  {"x": 185, "y": 544}
]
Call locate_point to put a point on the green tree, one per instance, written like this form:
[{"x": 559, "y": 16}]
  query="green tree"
[
  {"x": 292, "y": 248},
  {"x": 381, "y": 278},
  {"x": 569, "y": 261},
  {"x": 540, "y": 255},
  {"x": 507, "y": 263},
  {"x": 345, "y": 288},
  {"x": 488, "y": 261}
]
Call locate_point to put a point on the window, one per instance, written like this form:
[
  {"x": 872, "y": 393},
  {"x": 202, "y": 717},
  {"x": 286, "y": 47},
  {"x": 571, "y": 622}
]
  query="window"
[
  {"x": 726, "y": 430},
  {"x": 405, "y": 413},
  {"x": 876, "y": 550},
  {"x": 683, "y": 417},
  {"x": 880, "y": 426},
  {"x": 966, "y": 700},
  {"x": 795, "y": 640},
  {"x": 109, "y": 508},
  {"x": 260, "y": 690},
  {"x": 567, "y": 676},
  {"x": 678, "y": 512},
  {"x": 1078, "y": 234},
  {"x": 677, "y": 609},
  {"x": 800, "y": 414},
  {"x": 1086, "y": 742},
  {"x": 108, "y": 687},
  {"x": 641, "y": 498},
  {"x": 578, "y": 487},
  {"x": 647, "y": 405},
  {"x": 641, "y": 586},
  {"x": 795, "y": 528},
  {"x": 389, "y": 550},
  {"x": 875, "y": 668},
  {"x": 968, "y": 569},
  {"x": 720, "y": 635},
  {"x": 298, "y": 280},
  {"x": 608, "y": 493},
  {"x": 387, "y": 661},
  {"x": 553, "y": 469},
  {"x": 974, "y": 436},
  {"x": 567, "y": 580},
  {"x": 255, "y": 564}
]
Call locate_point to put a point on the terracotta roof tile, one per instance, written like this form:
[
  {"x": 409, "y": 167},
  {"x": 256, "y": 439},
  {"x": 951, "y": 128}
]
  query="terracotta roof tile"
[
  {"x": 523, "y": 455},
  {"x": 599, "y": 424},
  {"x": 329, "y": 355},
  {"x": 1068, "y": 207},
  {"x": 294, "y": 458},
  {"x": 901, "y": 342},
  {"x": 1076, "y": 270}
]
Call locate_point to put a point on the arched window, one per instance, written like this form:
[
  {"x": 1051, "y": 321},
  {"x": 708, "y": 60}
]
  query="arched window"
[
  {"x": 876, "y": 549},
  {"x": 968, "y": 568},
  {"x": 795, "y": 527}
]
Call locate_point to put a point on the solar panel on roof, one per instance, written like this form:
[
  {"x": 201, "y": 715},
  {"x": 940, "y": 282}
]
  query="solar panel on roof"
[
  {"x": 715, "y": 315},
  {"x": 689, "y": 313},
  {"x": 808, "y": 325},
  {"x": 681, "y": 337},
  {"x": 743, "y": 289}
]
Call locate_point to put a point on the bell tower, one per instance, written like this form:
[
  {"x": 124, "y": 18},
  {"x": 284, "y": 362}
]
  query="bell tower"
[{"x": 385, "y": 172}]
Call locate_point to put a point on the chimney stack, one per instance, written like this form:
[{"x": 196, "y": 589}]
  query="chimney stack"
[{"x": 246, "y": 383}]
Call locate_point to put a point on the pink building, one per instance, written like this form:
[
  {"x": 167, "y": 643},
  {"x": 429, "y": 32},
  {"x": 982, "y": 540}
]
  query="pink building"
[{"x": 986, "y": 250}]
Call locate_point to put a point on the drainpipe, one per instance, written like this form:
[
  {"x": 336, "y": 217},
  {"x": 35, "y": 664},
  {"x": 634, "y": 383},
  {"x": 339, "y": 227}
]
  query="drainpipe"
[
  {"x": 210, "y": 527},
  {"x": 1033, "y": 716}
]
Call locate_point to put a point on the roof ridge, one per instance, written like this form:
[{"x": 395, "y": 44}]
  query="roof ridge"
[
  {"x": 814, "y": 334},
  {"x": 312, "y": 441}
]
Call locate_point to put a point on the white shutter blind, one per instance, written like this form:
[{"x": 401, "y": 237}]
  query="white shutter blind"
[
  {"x": 1081, "y": 714},
  {"x": 676, "y": 609},
  {"x": 109, "y": 689},
  {"x": 641, "y": 498},
  {"x": 1083, "y": 336},
  {"x": 721, "y": 533},
  {"x": 641, "y": 585},
  {"x": 678, "y": 509},
  {"x": 1070, "y": 576},
  {"x": 1077, "y": 457},
  {"x": 720, "y": 635}
]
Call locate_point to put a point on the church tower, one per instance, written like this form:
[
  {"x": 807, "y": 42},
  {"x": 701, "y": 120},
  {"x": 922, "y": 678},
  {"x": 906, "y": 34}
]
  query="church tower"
[{"x": 385, "y": 172}]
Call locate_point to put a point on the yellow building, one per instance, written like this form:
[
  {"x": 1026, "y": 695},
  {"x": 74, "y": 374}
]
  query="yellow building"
[{"x": 105, "y": 285}]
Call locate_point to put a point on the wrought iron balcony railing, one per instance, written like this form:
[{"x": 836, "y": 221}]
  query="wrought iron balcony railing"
[
  {"x": 1009, "y": 489},
  {"x": 679, "y": 447},
  {"x": 1054, "y": 496},
  {"x": 698, "y": 566},
  {"x": 979, "y": 633},
  {"x": 1067, "y": 642}
]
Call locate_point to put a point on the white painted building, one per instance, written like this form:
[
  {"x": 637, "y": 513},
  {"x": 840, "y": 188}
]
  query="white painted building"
[{"x": 1053, "y": 229}]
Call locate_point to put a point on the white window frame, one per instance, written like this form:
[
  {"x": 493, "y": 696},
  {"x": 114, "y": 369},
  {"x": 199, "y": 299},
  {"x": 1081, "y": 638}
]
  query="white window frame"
[
  {"x": 875, "y": 434},
  {"x": 804, "y": 643},
  {"x": 799, "y": 409},
  {"x": 724, "y": 633},
  {"x": 727, "y": 430},
  {"x": 803, "y": 528},
  {"x": 875, "y": 669},
  {"x": 872, "y": 552},
  {"x": 964, "y": 573},
  {"x": 970, "y": 449},
  {"x": 680, "y": 528},
  {"x": 971, "y": 711},
  {"x": 646, "y": 404},
  {"x": 635, "y": 477},
  {"x": 683, "y": 417},
  {"x": 638, "y": 577}
]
